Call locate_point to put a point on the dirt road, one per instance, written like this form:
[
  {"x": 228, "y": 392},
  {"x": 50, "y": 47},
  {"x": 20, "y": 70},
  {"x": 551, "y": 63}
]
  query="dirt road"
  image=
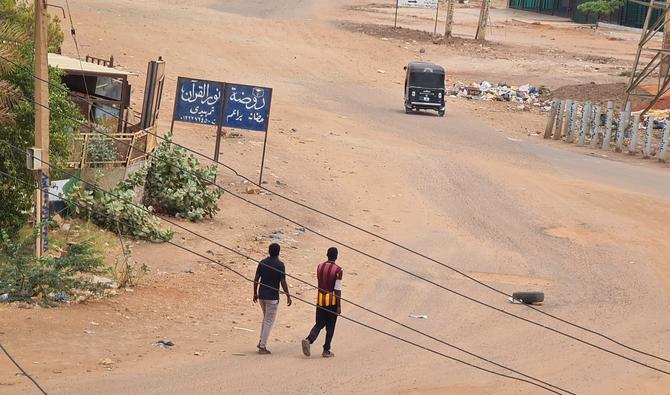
[{"x": 590, "y": 232}]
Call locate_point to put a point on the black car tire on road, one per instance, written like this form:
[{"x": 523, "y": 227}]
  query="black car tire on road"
[
  {"x": 440, "y": 113},
  {"x": 529, "y": 297}
]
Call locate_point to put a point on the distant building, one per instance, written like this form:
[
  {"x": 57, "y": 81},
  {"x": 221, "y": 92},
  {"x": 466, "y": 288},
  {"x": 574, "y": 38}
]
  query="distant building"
[{"x": 631, "y": 14}]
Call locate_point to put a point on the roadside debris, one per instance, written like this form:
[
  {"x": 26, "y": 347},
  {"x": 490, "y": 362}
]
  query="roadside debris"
[
  {"x": 525, "y": 94},
  {"x": 164, "y": 343},
  {"x": 107, "y": 362},
  {"x": 419, "y": 316}
]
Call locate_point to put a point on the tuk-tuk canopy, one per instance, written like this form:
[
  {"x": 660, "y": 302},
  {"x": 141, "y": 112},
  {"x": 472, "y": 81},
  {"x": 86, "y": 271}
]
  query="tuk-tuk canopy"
[{"x": 425, "y": 75}]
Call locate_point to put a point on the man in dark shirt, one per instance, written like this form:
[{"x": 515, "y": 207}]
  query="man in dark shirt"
[
  {"x": 269, "y": 274},
  {"x": 329, "y": 275}
]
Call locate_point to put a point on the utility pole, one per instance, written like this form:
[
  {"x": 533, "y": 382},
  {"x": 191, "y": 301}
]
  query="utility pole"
[
  {"x": 450, "y": 20},
  {"x": 41, "y": 121},
  {"x": 483, "y": 20}
]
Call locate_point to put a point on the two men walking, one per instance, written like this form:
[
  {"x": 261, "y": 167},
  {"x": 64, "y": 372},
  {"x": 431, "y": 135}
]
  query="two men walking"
[{"x": 271, "y": 272}]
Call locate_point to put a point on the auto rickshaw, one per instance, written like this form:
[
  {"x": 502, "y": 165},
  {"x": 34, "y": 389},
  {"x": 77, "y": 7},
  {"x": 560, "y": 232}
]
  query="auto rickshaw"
[{"x": 424, "y": 87}]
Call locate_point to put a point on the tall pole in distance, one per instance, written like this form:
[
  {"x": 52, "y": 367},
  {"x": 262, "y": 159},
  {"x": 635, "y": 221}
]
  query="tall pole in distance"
[
  {"x": 450, "y": 19},
  {"x": 483, "y": 20},
  {"x": 437, "y": 15},
  {"x": 395, "y": 24},
  {"x": 41, "y": 115}
]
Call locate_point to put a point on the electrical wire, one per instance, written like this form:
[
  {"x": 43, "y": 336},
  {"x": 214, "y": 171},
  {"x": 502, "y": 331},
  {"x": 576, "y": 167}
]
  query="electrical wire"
[
  {"x": 360, "y": 323},
  {"x": 287, "y": 274},
  {"x": 391, "y": 264},
  {"x": 23, "y": 372},
  {"x": 533, "y": 308},
  {"x": 370, "y": 233},
  {"x": 73, "y": 32}
]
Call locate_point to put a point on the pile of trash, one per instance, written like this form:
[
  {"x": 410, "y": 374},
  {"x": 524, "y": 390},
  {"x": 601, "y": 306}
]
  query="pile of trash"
[{"x": 524, "y": 94}]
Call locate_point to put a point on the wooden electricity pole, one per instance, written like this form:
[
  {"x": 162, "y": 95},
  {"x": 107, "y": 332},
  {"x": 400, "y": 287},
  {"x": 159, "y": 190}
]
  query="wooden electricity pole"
[
  {"x": 450, "y": 20},
  {"x": 41, "y": 118},
  {"x": 483, "y": 20}
]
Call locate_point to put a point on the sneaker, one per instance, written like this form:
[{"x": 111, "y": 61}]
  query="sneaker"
[
  {"x": 327, "y": 354},
  {"x": 305, "y": 347},
  {"x": 263, "y": 351}
]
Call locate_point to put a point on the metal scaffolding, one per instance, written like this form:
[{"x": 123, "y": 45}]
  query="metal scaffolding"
[{"x": 655, "y": 73}]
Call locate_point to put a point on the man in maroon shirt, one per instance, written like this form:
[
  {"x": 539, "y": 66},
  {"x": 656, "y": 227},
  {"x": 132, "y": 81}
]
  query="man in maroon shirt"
[{"x": 328, "y": 305}]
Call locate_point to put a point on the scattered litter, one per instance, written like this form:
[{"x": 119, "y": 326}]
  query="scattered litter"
[
  {"x": 189, "y": 271},
  {"x": 524, "y": 95},
  {"x": 419, "y": 316},
  {"x": 380, "y": 71},
  {"x": 253, "y": 190},
  {"x": 514, "y": 301},
  {"x": 107, "y": 362},
  {"x": 4, "y": 297},
  {"x": 513, "y": 139},
  {"x": 164, "y": 343},
  {"x": 89, "y": 332},
  {"x": 197, "y": 354},
  {"x": 243, "y": 329}
]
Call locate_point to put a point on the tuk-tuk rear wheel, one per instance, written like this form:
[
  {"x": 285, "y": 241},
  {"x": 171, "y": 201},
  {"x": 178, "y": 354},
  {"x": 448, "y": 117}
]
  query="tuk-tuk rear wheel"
[{"x": 440, "y": 113}]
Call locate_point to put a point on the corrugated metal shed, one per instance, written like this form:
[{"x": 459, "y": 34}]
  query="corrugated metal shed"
[{"x": 74, "y": 66}]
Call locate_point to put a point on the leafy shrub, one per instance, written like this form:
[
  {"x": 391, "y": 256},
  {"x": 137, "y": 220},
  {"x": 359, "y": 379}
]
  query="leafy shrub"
[
  {"x": 177, "y": 185},
  {"x": 50, "y": 278},
  {"x": 115, "y": 210},
  {"x": 600, "y": 7},
  {"x": 101, "y": 148},
  {"x": 126, "y": 270}
]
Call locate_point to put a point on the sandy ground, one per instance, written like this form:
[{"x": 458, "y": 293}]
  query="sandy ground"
[{"x": 471, "y": 189}]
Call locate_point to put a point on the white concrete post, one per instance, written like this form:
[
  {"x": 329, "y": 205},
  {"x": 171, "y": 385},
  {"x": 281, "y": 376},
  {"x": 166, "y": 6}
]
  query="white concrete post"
[
  {"x": 572, "y": 125},
  {"x": 624, "y": 121},
  {"x": 559, "y": 123},
  {"x": 586, "y": 123},
  {"x": 663, "y": 153},
  {"x": 634, "y": 130},
  {"x": 595, "y": 129},
  {"x": 548, "y": 130},
  {"x": 608, "y": 126},
  {"x": 646, "y": 149}
]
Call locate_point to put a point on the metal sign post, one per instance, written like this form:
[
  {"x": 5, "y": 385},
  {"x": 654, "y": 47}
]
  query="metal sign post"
[
  {"x": 248, "y": 107},
  {"x": 395, "y": 23}
]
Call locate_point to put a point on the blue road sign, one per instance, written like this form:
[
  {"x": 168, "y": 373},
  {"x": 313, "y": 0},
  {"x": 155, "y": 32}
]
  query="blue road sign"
[
  {"x": 247, "y": 107},
  {"x": 198, "y": 101}
]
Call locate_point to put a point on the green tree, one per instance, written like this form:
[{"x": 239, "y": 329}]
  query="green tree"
[
  {"x": 11, "y": 41},
  {"x": 600, "y": 7},
  {"x": 21, "y": 14},
  {"x": 18, "y": 126}
]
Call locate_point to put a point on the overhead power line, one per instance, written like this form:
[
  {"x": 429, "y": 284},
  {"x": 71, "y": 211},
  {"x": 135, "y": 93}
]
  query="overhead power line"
[
  {"x": 176, "y": 224},
  {"x": 23, "y": 371},
  {"x": 355, "y": 321},
  {"x": 413, "y": 274}
]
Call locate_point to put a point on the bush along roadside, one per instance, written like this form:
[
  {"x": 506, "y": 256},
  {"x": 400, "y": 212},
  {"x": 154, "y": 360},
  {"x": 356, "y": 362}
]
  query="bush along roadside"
[
  {"x": 49, "y": 279},
  {"x": 116, "y": 211},
  {"x": 177, "y": 185}
]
